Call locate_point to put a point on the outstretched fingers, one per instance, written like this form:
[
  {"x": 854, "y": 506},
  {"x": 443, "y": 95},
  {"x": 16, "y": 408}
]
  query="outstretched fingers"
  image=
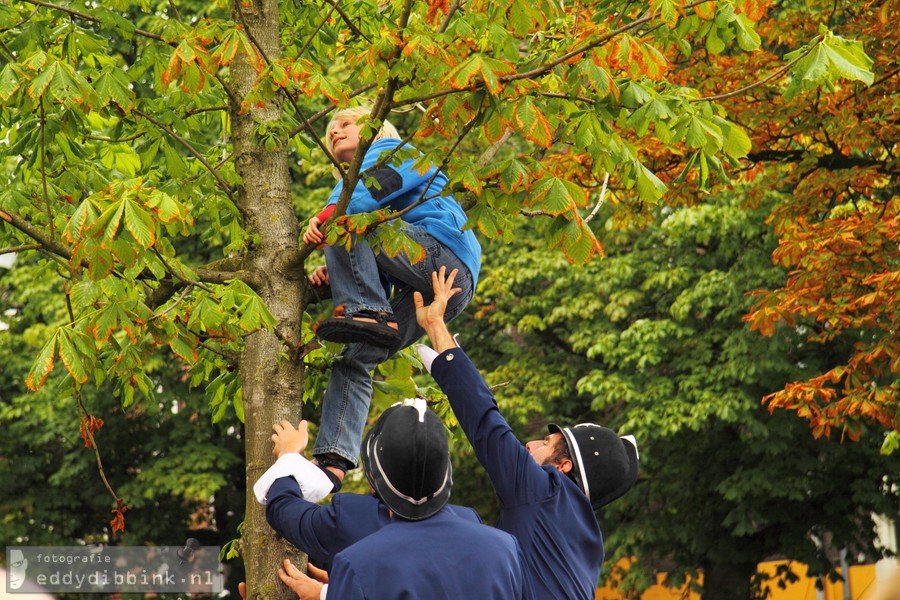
[{"x": 443, "y": 283}]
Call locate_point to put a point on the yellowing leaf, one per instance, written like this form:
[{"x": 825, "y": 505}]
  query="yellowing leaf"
[
  {"x": 705, "y": 10},
  {"x": 70, "y": 355},
  {"x": 43, "y": 365},
  {"x": 461, "y": 76},
  {"x": 532, "y": 123},
  {"x": 555, "y": 196},
  {"x": 139, "y": 223}
]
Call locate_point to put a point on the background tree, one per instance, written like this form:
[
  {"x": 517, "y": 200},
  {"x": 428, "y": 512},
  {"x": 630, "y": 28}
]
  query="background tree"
[
  {"x": 832, "y": 154},
  {"x": 650, "y": 340},
  {"x": 182, "y": 477},
  {"x": 140, "y": 133}
]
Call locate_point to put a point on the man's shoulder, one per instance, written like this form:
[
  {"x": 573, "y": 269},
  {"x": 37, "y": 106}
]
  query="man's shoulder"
[
  {"x": 350, "y": 498},
  {"x": 466, "y": 513}
]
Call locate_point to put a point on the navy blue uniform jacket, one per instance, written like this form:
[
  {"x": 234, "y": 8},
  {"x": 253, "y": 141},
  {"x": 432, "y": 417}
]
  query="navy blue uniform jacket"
[
  {"x": 323, "y": 531},
  {"x": 442, "y": 557},
  {"x": 542, "y": 508}
]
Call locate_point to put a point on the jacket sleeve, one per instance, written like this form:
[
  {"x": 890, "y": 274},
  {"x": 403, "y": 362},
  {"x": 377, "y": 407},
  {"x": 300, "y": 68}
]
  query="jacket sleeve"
[
  {"x": 517, "y": 478},
  {"x": 310, "y": 527},
  {"x": 379, "y": 187}
]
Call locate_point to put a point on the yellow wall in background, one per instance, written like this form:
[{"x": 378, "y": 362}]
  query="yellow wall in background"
[{"x": 862, "y": 580}]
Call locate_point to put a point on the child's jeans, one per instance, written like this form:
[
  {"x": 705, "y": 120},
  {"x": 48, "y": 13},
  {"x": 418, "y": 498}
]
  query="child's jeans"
[{"x": 355, "y": 282}]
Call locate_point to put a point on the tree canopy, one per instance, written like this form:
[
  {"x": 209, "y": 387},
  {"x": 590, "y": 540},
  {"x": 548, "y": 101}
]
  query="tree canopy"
[
  {"x": 650, "y": 340},
  {"x": 151, "y": 149}
]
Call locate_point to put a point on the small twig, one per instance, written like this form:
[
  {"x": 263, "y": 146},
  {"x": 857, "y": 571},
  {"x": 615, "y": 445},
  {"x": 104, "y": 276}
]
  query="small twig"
[
  {"x": 117, "y": 140},
  {"x": 222, "y": 184},
  {"x": 446, "y": 23},
  {"x": 347, "y": 20},
  {"x": 313, "y": 35},
  {"x": 498, "y": 385},
  {"x": 759, "y": 83},
  {"x": 175, "y": 10},
  {"x": 325, "y": 111},
  {"x": 187, "y": 290},
  {"x": 178, "y": 276},
  {"x": 44, "y": 172},
  {"x": 94, "y": 447},
  {"x": 226, "y": 355},
  {"x": 591, "y": 216},
  {"x": 86, "y": 428},
  {"x": 94, "y": 19},
  {"x": 22, "y": 22},
  {"x": 197, "y": 111},
  {"x": 22, "y": 248}
]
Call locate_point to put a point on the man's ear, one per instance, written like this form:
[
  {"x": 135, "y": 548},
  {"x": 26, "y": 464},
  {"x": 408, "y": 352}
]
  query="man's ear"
[{"x": 565, "y": 465}]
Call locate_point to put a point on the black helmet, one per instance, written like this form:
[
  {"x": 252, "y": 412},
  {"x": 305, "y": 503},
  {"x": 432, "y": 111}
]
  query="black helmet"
[
  {"x": 604, "y": 465},
  {"x": 406, "y": 459}
]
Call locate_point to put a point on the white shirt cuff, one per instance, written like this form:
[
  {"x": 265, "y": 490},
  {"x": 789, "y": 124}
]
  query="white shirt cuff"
[
  {"x": 324, "y": 592},
  {"x": 428, "y": 354},
  {"x": 314, "y": 484}
]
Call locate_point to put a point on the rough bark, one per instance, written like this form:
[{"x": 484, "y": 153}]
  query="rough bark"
[{"x": 271, "y": 380}]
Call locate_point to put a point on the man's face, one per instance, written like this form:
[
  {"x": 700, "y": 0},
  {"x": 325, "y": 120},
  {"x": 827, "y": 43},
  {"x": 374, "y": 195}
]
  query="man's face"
[
  {"x": 344, "y": 137},
  {"x": 542, "y": 450}
]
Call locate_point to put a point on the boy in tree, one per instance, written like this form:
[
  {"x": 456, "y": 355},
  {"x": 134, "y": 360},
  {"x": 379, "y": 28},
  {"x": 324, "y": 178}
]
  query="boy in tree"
[{"x": 374, "y": 324}]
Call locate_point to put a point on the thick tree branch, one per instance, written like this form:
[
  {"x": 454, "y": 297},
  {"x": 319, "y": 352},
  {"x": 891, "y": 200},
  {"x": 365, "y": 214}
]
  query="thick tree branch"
[
  {"x": 45, "y": 241},
  {"x": 325, "y": 112},
  {"x": 452, "y": 11},
  {"x": 834, "y": 161}
]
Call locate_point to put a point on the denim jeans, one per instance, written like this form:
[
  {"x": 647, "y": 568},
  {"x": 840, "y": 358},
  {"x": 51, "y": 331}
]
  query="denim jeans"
[{"x": 355, "y": 282}]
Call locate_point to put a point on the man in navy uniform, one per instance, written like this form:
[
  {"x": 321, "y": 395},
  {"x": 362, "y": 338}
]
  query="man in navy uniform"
[
  {"x": 425, "y": 546},
  {"x": 291, "y": 488},
  {"x": 549, "y": 488}
]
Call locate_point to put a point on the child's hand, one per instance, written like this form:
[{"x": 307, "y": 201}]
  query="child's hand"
[
  {"x": 313, "y": 235},
  {"x": 286, "y": 439},
  {"x": 319, "y": 276}
]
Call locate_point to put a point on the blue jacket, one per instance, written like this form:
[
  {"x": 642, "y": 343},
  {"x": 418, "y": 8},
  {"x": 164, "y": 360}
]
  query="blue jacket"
[
  {"x": 544, "y": 510},
  {"x": 439, "y": 558},
  {"x": 398, "y": 187},
  {"x": 323, "y": 531}
]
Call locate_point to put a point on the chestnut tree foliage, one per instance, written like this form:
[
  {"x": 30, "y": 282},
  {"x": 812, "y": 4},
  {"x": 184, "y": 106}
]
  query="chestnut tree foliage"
[{"x": 150, "y": 151}]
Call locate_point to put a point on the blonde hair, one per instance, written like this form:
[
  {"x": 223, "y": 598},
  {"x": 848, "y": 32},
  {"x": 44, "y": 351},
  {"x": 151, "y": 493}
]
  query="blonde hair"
[{"x": 354, "y": 114}]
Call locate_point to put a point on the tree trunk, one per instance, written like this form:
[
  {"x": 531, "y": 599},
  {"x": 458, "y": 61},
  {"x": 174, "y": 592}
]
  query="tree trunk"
[
  {"x": 727, "y": 581},
  {"x": 271, "y": 378}
]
